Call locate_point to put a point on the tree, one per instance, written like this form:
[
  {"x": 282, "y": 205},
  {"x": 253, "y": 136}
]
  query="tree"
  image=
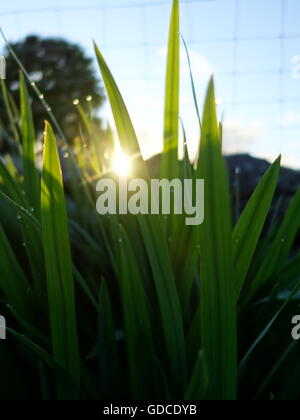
[{"x": 63, "y": 72}]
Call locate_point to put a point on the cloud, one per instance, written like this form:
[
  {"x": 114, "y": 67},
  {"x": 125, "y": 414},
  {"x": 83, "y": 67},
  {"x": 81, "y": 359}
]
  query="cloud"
[
  {"x": 201, "y": 66},
  {"x": 290, "y": 118},
  {"x": 239, "y": 136}
]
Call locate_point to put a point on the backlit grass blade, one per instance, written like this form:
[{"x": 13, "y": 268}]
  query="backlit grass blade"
[
  {"x": 279, "y": 250},
  {"x": 30, "y": 172},
  {"x": 127, "y": 136},
  {"x": 11, "y": 185},
  {"x": 155, "y": 243},
  {"x": 58, "y": 263},
  {"x": 139, "y": 336},
  {"x": 250, "y": 224},
  {"x": 12, "y": 119},
  {"x": 218, "y": 312},
  {"x": 171, "y": 111}
]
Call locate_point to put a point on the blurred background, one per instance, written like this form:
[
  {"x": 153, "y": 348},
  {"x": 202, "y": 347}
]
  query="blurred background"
[{"x": 252, "y": 47}]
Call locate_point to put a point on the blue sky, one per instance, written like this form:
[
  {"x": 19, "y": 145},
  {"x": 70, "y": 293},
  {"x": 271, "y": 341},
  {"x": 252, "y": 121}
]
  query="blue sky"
[{"x": 248, "y": 44}]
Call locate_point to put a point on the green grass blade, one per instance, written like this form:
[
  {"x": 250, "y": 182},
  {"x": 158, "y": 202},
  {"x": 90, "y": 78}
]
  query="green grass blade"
[
  {"x": 171, "y": 111},
  {"x": 13, "y": 281},
  {"x": 279, "y": 250},
  {"x": 250, "y": 224},
  {"x": 266, "y": 330},
  {"x": 12, "y": 119},
  {"x": 31, "y": 242},
  {"x": 275, "y": 368},
  {"x": 218, "y": 312},
  {"x": 127, "y": 136},
  {"x": 199, "y": 381},
  {"x": 30, "y": 172},
  {"x": 64, "y": 376},
  {"x": 139, "y": 336},
  {"x": 58, "y": 263},
  {"x": 11, "y": 185},
  {"x": 289, "y": 271},
  {"x": 155, "y": 243},
  {"x": 192, "y": 81}
]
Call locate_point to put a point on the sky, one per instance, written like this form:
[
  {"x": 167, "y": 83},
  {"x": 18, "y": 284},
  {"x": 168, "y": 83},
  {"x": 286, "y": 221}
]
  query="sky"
[{"x": 251, "y": 46}]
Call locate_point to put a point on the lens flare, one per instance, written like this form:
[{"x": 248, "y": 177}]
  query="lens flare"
[{"x": 122, "y": 164}]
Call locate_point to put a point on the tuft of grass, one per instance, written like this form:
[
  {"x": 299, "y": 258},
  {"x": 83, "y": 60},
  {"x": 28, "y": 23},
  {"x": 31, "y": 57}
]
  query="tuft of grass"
[{"x": 139, "y": 307}]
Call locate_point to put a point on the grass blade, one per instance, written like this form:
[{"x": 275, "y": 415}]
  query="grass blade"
[
  {"x": 249, "y": 226},
  {"x": 218, "y": 312},
  {"x": 141, "y": 353},
  {"x": 199, "y": 381},
  {"x": 127, "y": 136},
  {"x": 58, "y": 263},
  {"x": 171, "y": 112},
  {"x": 192, "y": 81},
  {"x": 279, "y": 250},
  {"x": 30, "y": 172},
  {"x": 13, "y": 281},
  {"x": 155, "y": 243}
]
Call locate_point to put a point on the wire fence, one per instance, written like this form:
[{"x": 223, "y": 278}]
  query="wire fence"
[{"x": 252, "y": 46}]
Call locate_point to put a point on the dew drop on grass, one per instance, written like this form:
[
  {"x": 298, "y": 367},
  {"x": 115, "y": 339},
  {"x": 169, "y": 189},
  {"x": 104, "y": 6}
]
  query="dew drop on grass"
[
  {"x": 76, "y": 101},
  {"x": 41, "y": 96},
  {"x": 48, "y": 109},
  {"x": 89, "y": 98},
  {"x": 32, "y": 83},
  {"x": 19, "y": 217},
  {"x": 66, "y": 155}
]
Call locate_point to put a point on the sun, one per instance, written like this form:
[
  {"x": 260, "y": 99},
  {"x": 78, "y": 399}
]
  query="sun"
[{"x": 122, "y": 164}]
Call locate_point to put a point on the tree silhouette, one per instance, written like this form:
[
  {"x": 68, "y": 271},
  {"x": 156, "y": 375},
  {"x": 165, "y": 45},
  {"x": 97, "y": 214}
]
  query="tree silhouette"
[{"x": 63, "y": 72}]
